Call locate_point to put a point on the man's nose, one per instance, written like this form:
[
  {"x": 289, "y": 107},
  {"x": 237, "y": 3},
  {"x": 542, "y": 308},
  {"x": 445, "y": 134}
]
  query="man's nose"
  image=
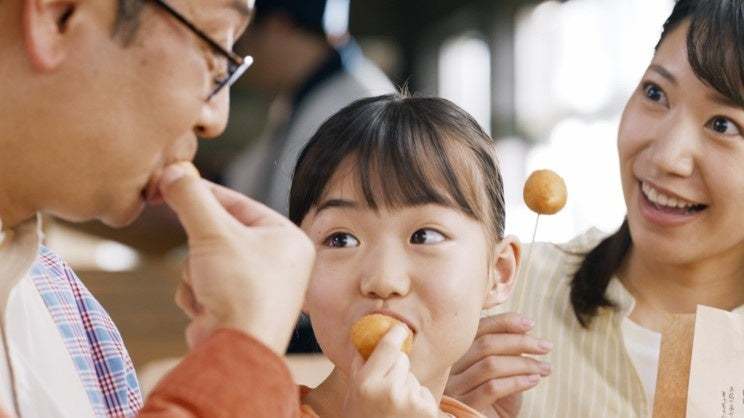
[{"x": 213, "y": 116}]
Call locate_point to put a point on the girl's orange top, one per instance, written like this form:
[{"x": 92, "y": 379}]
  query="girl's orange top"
[{"x": 448, "y": 405}]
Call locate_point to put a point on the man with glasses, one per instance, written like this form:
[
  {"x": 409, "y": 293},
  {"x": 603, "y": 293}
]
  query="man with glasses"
[{"x": 103, "y": 103}]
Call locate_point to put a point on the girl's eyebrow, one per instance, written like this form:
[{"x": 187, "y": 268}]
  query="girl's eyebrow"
[
  {"x": 337, "y": 203},
  {"x": 723, "y": 100}
]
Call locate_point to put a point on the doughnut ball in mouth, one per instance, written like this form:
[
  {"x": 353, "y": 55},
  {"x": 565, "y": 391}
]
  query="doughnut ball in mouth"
[{"x": 367, "y": 332}]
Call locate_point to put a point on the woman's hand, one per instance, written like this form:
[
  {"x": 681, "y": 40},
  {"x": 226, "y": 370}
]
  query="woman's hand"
[
  {"x": 384, "y": 386},
  {"x": 492, "y": 375}
]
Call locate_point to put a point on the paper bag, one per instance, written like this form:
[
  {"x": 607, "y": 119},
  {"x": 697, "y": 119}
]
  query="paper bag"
[{"x": 701, "y": 366}]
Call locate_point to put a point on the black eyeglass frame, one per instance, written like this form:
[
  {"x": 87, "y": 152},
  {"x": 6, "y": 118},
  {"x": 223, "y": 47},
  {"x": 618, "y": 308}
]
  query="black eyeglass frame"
[{"x": 236, "y": 64}]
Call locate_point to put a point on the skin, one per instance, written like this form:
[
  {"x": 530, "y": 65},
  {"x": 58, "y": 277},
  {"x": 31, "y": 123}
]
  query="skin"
[
  {"x": 146, "y": 115},
  {"x": 92, "y": 127},
  {"x": 432, "y": 266},
  {"x": 682, "y": 136}
]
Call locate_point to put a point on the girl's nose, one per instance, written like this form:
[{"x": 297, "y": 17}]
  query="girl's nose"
[{"x": 386, "y": 274}]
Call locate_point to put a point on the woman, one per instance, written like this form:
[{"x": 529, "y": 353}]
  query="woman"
[{"x": 603, "y": 300}]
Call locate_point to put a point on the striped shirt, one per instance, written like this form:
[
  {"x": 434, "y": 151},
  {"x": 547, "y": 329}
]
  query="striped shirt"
[{"x": 593, "y": 374}]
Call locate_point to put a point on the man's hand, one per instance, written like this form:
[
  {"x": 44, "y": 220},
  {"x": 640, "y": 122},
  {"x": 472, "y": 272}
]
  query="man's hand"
[
  {"x": 248, "y": 266},
  {"x": 492, "y": 375}
]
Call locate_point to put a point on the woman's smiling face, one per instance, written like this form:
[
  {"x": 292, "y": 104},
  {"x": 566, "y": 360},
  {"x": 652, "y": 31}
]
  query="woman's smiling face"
[{"x": 681, "y": 147}]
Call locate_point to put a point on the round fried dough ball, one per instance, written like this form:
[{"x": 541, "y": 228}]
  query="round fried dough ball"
[
  {"x": 545, "y": 192},
  {"x": 369, "y": 330}
]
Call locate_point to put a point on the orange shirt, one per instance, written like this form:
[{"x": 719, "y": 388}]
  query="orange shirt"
[
  {"x": 227, "y": 375},
  {"x": 447, "y": 405}
]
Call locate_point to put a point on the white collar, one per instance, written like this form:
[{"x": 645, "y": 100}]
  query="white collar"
[{"x": 18, "y": 251}]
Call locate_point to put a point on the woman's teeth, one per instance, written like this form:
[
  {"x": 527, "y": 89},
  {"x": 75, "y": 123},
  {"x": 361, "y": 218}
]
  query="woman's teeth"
[{"x": 663, "y": 201}]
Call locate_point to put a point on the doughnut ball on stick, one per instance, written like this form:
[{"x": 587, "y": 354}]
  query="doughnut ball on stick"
[
  {"x": 545, "y": 194},
  {"x": 369, "y": 330}
]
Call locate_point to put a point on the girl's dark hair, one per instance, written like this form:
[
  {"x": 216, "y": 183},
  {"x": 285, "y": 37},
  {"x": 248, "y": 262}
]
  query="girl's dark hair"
[
  {"x": 715, "y": 48},
  {"x": 404, "y": 151}
]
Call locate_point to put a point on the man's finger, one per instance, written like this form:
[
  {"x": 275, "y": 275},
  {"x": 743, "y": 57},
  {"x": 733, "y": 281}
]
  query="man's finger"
[
  {"x": 197, "y": 208},
  {"x": 244, "y": 209},
  {"x": 186, "y": 300}
]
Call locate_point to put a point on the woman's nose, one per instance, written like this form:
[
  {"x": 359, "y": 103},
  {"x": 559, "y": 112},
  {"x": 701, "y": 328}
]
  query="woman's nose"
[{"x": 675, "y": 147}]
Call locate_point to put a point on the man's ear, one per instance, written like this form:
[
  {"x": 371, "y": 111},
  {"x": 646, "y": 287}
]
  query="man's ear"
[
  {"x": 45, "y": 24},
  {"x": 503, "y": 271}
]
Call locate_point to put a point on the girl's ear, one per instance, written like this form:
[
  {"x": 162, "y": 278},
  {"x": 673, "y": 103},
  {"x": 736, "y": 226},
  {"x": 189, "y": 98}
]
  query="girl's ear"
[{"x": 503, "y": 271}]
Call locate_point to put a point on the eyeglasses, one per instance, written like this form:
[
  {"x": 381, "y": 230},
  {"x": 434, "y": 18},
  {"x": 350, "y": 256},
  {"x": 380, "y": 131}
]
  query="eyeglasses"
[{"x": 236, "y": 65}]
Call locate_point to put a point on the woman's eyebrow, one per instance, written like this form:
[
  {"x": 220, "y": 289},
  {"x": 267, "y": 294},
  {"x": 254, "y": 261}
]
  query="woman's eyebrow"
[{"x": 664, "y": 73}]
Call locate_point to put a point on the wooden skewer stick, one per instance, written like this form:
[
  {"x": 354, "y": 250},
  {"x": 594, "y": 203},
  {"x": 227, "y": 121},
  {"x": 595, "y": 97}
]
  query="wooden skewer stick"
[{"x": 524, "y": 274}]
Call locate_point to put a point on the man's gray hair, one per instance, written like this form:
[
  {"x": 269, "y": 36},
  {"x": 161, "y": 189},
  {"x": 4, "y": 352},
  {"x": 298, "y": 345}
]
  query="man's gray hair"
[{"x": 127, "y": 19}]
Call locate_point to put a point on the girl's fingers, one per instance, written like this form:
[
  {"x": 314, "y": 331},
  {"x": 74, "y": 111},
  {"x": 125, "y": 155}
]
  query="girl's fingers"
[{"x": 386, "y": 352}]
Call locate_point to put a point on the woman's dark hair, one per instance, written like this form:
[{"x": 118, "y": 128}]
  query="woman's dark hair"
[
  {"x": 404, "y": 151},
  {"x": 715, "y": 49}
]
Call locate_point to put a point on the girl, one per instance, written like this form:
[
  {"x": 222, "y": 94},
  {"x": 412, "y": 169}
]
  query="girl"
[{"x": 403, "y": 199}]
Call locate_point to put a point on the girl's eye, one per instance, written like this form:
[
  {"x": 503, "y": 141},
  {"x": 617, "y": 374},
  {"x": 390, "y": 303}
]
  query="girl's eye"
[
  {"x": 427, "y": 236},
  {"x": 654, "y": 93},
  {"x": 341, "y": 240},
  {"x": 724, "y": 126}
]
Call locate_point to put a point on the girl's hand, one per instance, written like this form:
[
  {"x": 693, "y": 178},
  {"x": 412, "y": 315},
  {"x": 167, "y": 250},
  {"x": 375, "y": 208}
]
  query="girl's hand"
[
  {"x": 384, "y": 386},
  {"x": 492, "y": 375}
]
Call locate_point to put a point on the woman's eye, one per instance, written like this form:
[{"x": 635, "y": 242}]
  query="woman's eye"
[
  {"x": 341, "y": 240},
  {"x": 427, "y": 237},
  {"x": 654, "y": 93},
  {"x": 724, "y": 126}
]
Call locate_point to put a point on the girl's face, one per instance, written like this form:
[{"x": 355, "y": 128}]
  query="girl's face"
[
  {"x": 681, "y": 149},
  {"x": 428, "y": 265}
]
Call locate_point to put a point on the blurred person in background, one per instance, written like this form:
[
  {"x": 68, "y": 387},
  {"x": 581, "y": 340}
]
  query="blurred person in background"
[
  {"x": 310, "y": 74},
  {"x": 311, "y": 68}
]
